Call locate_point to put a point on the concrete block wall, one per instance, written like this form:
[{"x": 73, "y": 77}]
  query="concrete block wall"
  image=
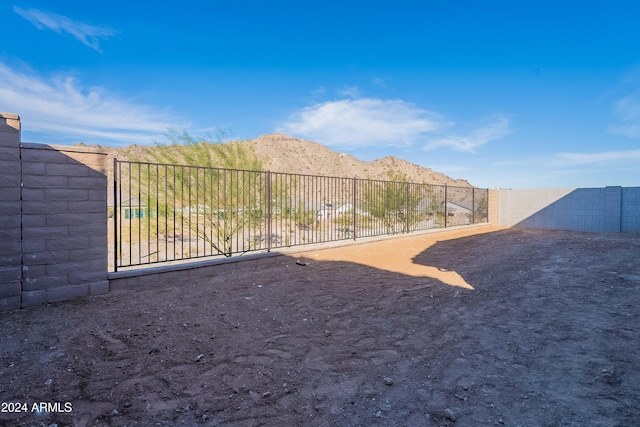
[
  {"x": 608, "y": 209},
  {"x": 61, "y": 238},
  {"x": 517, "y": 206},
  {"x": 630, "y": 210},
  {"x": 64, "y": 220},
  {"x": 493, "y": 207},
  {"x": 10, "y": 212},
  {"x": 612, "y": 209}
]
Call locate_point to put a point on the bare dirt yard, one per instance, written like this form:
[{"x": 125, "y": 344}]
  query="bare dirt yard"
[{"x": 509, "y": 327}]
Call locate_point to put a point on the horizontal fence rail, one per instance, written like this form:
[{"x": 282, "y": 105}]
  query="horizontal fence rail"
[{"x": 165, "y": 213}]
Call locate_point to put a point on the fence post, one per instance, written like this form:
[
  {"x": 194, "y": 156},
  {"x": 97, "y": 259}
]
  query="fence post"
[
  {"x": 406, "y": 208},
  {"x": 445, "y": 205},
  {"x": 355, "y": 216},
  {"x": 473, "y": 205}
]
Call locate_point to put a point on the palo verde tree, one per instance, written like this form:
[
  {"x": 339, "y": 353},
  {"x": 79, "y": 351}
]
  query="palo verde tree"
[
  {"x": 393, "y": 203},
  {"x": 481, "y": 206},
  {"x": 204, "y": 189}
]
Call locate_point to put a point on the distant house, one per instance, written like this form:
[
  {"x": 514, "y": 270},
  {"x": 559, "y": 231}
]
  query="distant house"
[
  {"x": 325, "y": 211},
  {"x": 426, "y": 205},
  {"x": 132, "y": 208},
  {"x": 348, "y": 207},
  {"x": 464, "y": 207},
  {"x": 140, "y": 212}
]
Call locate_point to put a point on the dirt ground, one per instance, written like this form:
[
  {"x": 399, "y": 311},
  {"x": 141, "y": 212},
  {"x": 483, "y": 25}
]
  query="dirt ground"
[{"x": 510, "y": 327}]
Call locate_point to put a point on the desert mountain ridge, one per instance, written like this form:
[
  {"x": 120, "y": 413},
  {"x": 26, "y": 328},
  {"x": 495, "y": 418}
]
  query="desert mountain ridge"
[{"x": 282, "y": 153}]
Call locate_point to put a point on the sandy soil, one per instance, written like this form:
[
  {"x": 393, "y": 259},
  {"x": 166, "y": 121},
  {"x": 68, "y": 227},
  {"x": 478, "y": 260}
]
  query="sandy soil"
[{"x": 511, "y": 327}]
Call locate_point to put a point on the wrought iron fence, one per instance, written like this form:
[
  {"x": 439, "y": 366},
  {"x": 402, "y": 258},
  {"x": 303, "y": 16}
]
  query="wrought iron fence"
[{"x": 165, "y": 213}]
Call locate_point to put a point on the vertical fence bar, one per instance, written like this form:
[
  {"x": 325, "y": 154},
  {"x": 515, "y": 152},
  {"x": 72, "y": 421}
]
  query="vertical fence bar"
[
  {"x": 166, "y": 215},
  {"x": 214, "y": 215},
  {"x": 239, "y": 214},
  {"x": 183, "y": 212},
  {"x": 156, "y": 210},
  {"x": 129, "y": 219},
  {"x": 406, "y": 208},
  {"x": 116, "y": 213},
  {"x": 239, "y": 196},
  {"x": 269, "y": 206},
  {"x": 146, "y": 217},
  {"x": 205, "y": 210},
  {"x": 473, "y": 206},
  {"x": 138, "y": 216},
  {"x": 197, "y": 204},
  {"x": 217, "y": 219},
  {"x": 355, "y": 215},
  {"x": 446, "y": 214},
  {"x": 313, "y": 194},
  {"x": 174, "y": 212}
]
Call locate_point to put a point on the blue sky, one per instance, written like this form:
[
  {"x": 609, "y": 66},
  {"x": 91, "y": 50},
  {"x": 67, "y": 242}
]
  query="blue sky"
[{"x": 503, "y": 94}]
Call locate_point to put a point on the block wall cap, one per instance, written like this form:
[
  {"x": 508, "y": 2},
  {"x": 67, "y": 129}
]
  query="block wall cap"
[{"x": 65, "y": 148}]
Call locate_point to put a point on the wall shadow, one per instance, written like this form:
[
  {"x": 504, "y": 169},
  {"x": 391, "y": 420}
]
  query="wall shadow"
[
  {"x": 64, "y": 236},
  {"x": 399, "y": 255},
  {"x": 608, "y": 209}
]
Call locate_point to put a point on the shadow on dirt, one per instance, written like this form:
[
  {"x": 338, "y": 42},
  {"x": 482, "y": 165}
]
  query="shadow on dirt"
[{"x": 543, "y": 339}]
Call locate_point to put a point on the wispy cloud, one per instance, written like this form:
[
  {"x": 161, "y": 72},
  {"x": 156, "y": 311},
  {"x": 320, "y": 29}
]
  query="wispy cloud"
[
  {"x": 605, "y": 156},
  {"x": 61, "y": 108},
  {"x": 628, "y": 111},
  {"x": 366, "y": 122},
  {"x": 378, "y": 81},
  {"x": 319, "y": 91},
  {"x": 87, "y": 34},
  {"x": 474, "y": 139},
  {"x": 351, "y": 91}
]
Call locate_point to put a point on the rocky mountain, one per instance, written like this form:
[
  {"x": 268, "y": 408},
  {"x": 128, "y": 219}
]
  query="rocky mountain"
[{"x": 282, "y": 153}]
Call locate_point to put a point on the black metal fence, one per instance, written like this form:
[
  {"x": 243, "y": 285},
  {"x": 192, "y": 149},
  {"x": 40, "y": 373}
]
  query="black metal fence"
[{"x": 167, "y": 213}]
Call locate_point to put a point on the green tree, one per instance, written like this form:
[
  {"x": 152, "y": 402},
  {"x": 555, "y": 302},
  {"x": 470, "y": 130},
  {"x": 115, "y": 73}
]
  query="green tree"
[
  {"x": 203, "y": 188},
  {"x": 481, "y": 208},
  {"x": 393, "y": 203}
]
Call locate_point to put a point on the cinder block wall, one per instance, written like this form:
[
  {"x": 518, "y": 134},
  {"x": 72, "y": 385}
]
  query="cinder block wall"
[
  {"x": 630, "y": 209},
  {"x": 493, "y": 207},
  {"x": 64, "y": 223},
  {"x": 517, "y": 206},
  {"x": 10, "y": 241},
  {"x": 608, "y": 209},
  {"x": 62, "y": 214}
]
